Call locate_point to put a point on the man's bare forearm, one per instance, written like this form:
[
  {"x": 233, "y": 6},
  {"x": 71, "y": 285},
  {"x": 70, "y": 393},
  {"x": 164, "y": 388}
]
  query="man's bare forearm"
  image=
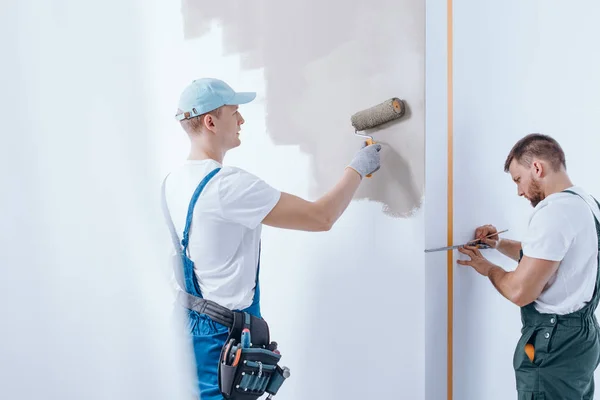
[
  {"x": 335, "y": 202},
  {"x": 501, "y": 281},
  {"x": 510, "y": 248}
]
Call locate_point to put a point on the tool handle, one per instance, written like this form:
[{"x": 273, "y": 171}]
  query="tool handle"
[
  {"x": 245, "y": 338},
  {"x": 530, "y": 351},
  {"x": 238, "y": 355},
  {"x": 369, "y": 142}
]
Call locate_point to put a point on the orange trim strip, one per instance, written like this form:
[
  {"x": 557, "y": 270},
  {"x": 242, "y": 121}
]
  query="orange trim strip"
[{"x": 450, "y": 210}]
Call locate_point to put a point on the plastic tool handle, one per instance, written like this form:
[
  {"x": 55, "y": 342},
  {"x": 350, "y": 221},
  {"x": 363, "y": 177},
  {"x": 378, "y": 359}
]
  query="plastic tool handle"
[
  {"x": 530, "y": 351},
  {"x": 370, "y": 142},
  {"x": 238, "y": 355},
  {"x": 245, "y": 338}
]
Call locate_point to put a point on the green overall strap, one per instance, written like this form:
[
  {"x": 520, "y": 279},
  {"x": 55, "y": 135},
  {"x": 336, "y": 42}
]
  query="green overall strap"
[{"x": 596, "y": 296}]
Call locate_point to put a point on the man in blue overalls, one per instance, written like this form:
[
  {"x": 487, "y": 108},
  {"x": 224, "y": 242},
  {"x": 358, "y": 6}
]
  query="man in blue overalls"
[
  {"x": 218, "y": 212},
  {"x": 556, "y": 282}
]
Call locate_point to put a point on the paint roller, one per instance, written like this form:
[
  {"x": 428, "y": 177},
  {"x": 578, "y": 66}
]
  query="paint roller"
[{"x": 387, "y": 111}]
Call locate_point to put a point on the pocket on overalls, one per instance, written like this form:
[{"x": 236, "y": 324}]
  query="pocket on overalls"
[
  {"x": 526, "y": 370},
  {"x": 191, "y": 321},
  {"x": 535, "y": 342},
  {"x": 520, "y": 357},
  {"x": 203, "y": 325}
]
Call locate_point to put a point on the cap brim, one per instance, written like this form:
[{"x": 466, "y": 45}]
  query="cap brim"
[{"x": 241, "y": 98}]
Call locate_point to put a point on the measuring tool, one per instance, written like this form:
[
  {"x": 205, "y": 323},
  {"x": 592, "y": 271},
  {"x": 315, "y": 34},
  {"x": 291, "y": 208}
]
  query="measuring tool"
[{"x": 476, "y": 242}]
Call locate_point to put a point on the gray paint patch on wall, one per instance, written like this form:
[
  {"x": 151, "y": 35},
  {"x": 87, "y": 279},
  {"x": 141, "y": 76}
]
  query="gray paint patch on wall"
[{"x": 324, "y": 61}]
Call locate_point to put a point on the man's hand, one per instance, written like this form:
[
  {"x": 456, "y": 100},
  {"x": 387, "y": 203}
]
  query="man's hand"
[
  {"x": 477, "y": 260},
  {"x": 367, "y": 160},
  {"x": 485, "y": 230},
  {"x": 510, "y": 248}
]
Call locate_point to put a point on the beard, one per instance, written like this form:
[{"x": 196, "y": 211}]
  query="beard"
[{"x": 535, "y": 193}]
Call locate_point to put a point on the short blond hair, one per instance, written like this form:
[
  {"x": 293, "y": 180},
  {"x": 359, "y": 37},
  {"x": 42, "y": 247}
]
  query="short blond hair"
[{"x": 194, "y": 124}]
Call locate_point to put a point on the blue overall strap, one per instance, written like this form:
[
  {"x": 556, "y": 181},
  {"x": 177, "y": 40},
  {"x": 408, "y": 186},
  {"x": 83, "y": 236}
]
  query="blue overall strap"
[
  {"x": 190, "y": 213},
  {"x": 254, "y": 308},
  {"x": 191, "y": 283},
  {"x": 184, "y": 270},
  {"x": 257, "y": 288}
]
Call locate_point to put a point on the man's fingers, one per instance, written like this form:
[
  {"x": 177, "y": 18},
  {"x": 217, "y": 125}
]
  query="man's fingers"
[
  {"x": 482, "y": 233},
  {"x": 484, "y": 230},
  {"x": 490, "y": 242},
  {"x": 490, "y": 229},
  {"x": 472, "y": 251},
  {"x": 462, "y": 262},
  {"x": 468, "y": 250}
]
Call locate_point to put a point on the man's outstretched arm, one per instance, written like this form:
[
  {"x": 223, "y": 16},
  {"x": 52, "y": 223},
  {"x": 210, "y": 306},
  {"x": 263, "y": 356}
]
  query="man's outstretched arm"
[{"x": 293, "y": 212}]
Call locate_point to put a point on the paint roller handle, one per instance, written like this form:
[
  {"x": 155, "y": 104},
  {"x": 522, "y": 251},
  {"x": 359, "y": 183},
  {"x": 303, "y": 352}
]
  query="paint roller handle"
[
  {"x": 367, "y": 160},
  {"x": 368, "y": 143}
]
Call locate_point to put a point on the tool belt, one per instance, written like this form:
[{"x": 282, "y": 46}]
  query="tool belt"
[{"x": 248, "y": 365}]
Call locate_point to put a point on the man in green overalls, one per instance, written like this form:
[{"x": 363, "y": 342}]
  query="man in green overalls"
[{"x": 556, "y": 282}]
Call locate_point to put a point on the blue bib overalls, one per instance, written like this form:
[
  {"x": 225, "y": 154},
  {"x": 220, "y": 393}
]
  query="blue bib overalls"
[{"x": 208, "y": 337}]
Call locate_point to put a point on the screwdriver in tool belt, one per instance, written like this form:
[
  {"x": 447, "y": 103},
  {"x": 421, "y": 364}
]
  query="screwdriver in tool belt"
[{"x": 246, "y": 338}]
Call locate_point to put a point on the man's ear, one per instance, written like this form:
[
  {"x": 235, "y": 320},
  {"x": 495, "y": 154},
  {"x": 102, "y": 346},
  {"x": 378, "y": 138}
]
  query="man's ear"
[
  {"x": 539, "y": 169},
  {"x": 208, "y": 122}
]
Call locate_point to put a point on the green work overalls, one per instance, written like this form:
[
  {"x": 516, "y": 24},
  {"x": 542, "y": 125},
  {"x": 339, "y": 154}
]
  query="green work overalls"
[{"x": 567, "y": 351}]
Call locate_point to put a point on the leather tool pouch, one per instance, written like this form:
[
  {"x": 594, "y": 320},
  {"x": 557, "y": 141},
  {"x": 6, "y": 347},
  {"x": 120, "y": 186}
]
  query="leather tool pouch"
[{"x": 248, "y": 366}]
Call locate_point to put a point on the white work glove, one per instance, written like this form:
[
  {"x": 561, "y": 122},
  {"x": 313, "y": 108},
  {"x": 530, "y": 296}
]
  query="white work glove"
[{"x": 367, "y": 160}]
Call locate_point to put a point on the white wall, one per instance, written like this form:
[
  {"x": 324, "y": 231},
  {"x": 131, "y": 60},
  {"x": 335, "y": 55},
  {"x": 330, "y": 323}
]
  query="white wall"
[
  {"x": 346, "y": 306},
  {"x": 519, "y": 67},
  {"x": 83, "y": 294}
]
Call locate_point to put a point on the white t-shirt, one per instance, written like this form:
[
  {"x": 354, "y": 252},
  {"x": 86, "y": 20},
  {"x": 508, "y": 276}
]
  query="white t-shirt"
[
  {"x": 226, "y": 227},
  {"x": 562, "y": 228}
]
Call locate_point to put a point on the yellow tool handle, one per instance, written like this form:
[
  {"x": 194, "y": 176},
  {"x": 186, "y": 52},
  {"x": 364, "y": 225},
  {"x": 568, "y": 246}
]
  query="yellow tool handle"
[
  {"x": 370, "y": 142},
  {"x": 530, "y": 351}
]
